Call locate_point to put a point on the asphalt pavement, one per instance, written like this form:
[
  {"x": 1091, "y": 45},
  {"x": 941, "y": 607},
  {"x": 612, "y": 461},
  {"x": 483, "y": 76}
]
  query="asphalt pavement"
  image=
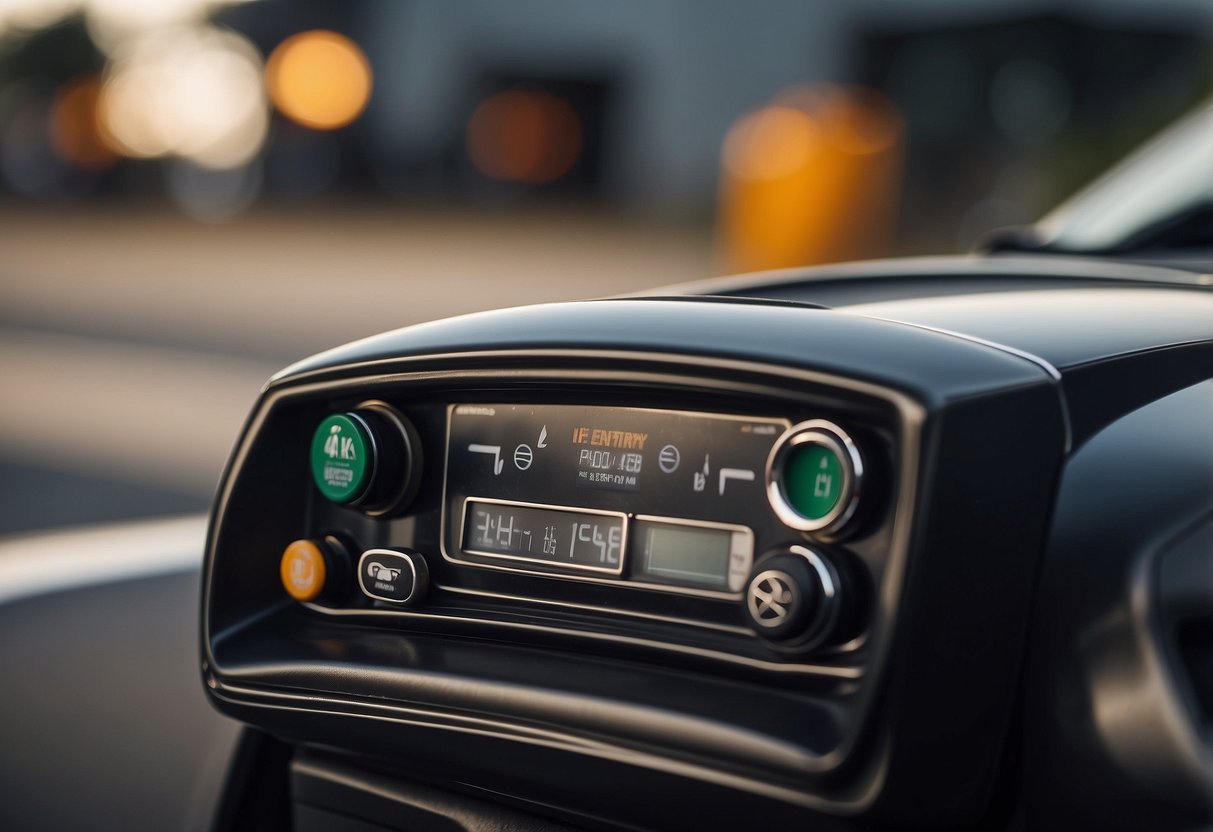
[{"x": 133, "y": 341}]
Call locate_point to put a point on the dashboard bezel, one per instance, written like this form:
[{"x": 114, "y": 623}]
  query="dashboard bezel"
[
  {"x": 641, "y": 375},
  {"x": 952, "y": 391},
  {"x": 627, "y": 370},
  {"x": 581, "y": 575}
]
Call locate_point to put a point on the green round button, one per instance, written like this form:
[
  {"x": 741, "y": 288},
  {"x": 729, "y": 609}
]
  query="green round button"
[
  {"x": 341, "y": 461},
  {"x": 813, "y": 480}
]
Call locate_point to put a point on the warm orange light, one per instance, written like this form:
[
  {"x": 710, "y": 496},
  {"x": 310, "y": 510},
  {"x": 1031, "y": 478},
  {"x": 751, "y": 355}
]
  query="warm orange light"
[
  {"x": 771, "y": 143},
  {"x": 524, "y": 136},
  {"x": 319, "y": 78},
  {"x": 75, "y": 126},
  {"x": 812, "y": 178}
]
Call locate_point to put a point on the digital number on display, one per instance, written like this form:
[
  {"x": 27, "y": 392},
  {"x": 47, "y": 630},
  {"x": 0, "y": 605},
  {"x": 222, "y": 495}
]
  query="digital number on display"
[{"x": 573, "y": 539}]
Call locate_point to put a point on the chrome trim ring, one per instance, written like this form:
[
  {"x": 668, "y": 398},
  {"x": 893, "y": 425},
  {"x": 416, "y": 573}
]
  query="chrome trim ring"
[{"x": 834, "y": 438}]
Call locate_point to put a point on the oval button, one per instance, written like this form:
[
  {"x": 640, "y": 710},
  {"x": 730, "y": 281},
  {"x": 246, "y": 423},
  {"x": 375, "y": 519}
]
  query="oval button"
[{"x": 396, "y": 576}]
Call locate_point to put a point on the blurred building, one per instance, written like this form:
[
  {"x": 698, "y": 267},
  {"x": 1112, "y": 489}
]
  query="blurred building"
[{"x": 1007, "y": 106}]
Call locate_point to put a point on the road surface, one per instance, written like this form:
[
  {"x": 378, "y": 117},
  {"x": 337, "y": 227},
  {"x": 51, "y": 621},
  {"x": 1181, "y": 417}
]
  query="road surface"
[{"x": 133, "y": 341}]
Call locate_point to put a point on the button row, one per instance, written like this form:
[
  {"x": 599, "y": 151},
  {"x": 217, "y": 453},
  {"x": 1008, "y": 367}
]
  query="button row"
[{"x": 312, "y": 570}]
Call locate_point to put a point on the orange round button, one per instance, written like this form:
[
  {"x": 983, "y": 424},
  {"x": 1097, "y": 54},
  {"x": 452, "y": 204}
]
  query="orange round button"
[{"x": 302, "y": 570}]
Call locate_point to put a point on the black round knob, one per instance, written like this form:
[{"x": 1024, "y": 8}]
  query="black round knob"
[
  {"x": 368, "y": 458},
  {"x": 792, "y": 597}
]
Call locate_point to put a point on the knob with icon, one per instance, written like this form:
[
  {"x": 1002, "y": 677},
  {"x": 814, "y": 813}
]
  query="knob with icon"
[
  {"x": 815, "y": 475},
  {"x": 793, "y": 598},
  {"x": 368, "y": 458}
]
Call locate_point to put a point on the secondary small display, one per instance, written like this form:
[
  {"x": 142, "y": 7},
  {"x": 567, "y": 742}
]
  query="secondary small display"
[
  {"x": 683, "y": 554},
  {"x": 572, "y": 539}
]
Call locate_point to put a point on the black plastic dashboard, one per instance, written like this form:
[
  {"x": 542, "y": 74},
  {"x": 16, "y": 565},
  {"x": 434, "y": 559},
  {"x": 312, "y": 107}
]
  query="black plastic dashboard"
[{"x": 673, "y": 562}]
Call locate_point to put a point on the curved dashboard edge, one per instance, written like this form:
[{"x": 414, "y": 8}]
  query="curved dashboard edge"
[
  {"x": 305, "y": 387},
  {"x": 951, "y": 406},
  {"x": 1106, "y": 670},
  {"x": 888, "y": 355}
]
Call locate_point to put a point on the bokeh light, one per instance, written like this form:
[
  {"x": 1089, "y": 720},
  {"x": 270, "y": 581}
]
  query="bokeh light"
[
  {"x": 524, "y": 136},
  {"x": 193, "y": 92},
  {"x": 811, "y": 178},
  {"x": 771, "y": 143},
  {"x": 113, "y": 23},
  {"x": 319, "y": 79},
  {"x": 75, "y": 125},
  {"x": 24, "y": 16}
]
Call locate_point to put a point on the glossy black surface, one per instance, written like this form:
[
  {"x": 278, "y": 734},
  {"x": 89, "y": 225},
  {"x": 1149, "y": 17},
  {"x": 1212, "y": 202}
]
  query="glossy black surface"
[
  {"x": 896, "y": 356},
  {"x": 1117, "y": 335},
  {"x": 1113, "y": 720},
  {"x": 974, "y": 387}
]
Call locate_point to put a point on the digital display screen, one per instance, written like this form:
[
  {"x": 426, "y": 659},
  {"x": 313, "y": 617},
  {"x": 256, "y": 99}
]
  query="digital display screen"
[
  {"x": 683, "y": 554},
  {"x": 591, "y": 489},
  {"x": 560, "y": 537},
  {"x": 609, "y": 469}
]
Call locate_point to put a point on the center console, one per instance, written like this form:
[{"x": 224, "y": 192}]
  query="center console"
[{"x": 667, "y": 550}]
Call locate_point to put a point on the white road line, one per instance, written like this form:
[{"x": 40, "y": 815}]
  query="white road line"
[{"x": 41, "y": 563}]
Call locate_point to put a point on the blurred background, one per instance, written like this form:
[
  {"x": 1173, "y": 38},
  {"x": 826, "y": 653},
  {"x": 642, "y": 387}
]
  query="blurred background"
[{"x": 195, "y": 193}]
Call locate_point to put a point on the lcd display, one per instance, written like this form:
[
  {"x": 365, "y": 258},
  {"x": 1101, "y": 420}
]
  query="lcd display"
[
  {"x": 684, "y": 554},
  {"x": 562, "y": 537}
]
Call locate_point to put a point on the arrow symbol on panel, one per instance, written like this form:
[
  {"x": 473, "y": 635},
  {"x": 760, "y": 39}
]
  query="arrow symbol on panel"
[
  {"x": 495, "y": 450},
  {"x": 727, "y": 474}
]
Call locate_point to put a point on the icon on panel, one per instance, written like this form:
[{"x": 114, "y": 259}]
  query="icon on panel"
[{"x": 382, "y": 573}]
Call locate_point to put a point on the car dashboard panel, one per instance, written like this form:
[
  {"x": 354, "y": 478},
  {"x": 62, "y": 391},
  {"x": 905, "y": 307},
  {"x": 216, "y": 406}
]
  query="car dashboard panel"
[{"x": 647, "y": 563}]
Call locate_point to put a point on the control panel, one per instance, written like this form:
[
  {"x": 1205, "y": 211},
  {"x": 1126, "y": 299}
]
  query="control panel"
[
  {"x": 721, "y": 527},
  {"x": 701, "y": 547},
  {"x": 607, "y": 493}
]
